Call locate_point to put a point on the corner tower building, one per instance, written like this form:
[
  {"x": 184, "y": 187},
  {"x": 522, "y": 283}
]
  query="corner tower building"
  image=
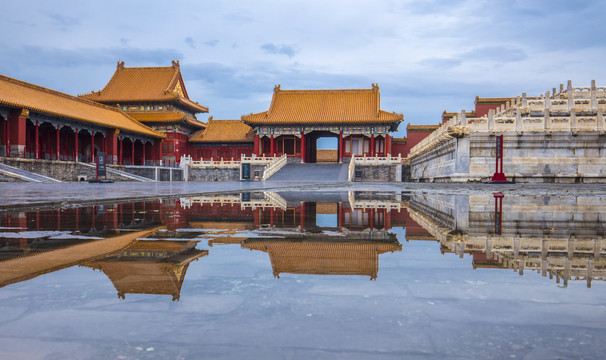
[{"x": 157, "y": 97}]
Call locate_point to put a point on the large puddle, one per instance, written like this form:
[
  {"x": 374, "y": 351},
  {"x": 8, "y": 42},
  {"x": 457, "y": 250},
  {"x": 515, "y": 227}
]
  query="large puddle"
[{"x": 302, "y": 275}]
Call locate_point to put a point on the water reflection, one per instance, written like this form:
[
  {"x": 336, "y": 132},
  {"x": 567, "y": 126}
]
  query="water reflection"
[{"x": 146, "y": 247}]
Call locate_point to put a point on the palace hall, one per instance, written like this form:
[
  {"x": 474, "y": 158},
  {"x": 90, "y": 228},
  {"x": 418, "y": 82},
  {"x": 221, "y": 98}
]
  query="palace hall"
[{"x": 297, "y": 118}]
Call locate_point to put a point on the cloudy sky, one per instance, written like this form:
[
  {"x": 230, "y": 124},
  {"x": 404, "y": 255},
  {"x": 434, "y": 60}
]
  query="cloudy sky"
[{"x": 426, "y": 56}]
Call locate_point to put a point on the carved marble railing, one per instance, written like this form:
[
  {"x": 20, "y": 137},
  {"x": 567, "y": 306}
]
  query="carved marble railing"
[
  {"x": 571, "y": 109},
  {"x": 273, "y": 167},
  {"x": 221, "y": 164},
  {"x": 373, "y": 161}
]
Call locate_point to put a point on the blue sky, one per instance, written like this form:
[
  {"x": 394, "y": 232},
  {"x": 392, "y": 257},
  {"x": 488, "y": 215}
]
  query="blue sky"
[{"x": 426, "y": 56}]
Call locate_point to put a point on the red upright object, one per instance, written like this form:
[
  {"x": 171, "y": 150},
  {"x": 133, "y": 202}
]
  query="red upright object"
[
  {"x": 303, "y": 159},
  {"x": 372, "y": 145},
  {"x": 58, "y": 137},
  {"x": 341, "y": 147},
  {"x": 498, "y": 212},
  {"x": 37, "y": 141},
  {"x": 499, "y": 176},
  {"x": 75, "y": 146},
  {"x": 272, "y": 148}
]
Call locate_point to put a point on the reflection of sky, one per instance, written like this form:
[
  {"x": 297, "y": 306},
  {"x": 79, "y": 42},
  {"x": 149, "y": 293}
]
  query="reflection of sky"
[
  {"x": 327, "y": 220},
  {"x": 422, "y": 305}
]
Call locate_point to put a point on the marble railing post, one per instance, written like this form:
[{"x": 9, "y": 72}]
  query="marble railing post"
[
  {"x": 547, "y": 101},
  {"x": 524, "y": 100},
  {"x": 600, "y": 121},
  {"x": 594, "y": 100},
  {"x": 519, "y": 124},
  {"x": 573, "y": 120},
  {"x": 491, "y": 119},
  {"x": 570, "y": 93},
  {"x": 463, "y": 118},
  {"x": 547, "y": 121}
]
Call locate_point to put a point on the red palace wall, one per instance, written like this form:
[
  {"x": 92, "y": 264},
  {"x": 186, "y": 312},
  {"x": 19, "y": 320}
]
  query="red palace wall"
[
  {"x": 482, "y": 109},
  {"x": 227, "y": 152}
]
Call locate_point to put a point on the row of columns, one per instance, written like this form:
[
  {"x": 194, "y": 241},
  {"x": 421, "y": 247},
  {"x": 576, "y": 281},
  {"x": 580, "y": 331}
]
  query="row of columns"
[
  {"x": 15, "y": 140},
  {"x": 341, "y": 146}
]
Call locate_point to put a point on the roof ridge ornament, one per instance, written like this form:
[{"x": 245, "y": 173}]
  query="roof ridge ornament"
[
  {"x": 375, "y": 87},
  {"x": 176, "y": 64},
  {"x": 120, "y": 65},
  {"x": 210, "y": 118},
  {"x": 277, "y": 88}
]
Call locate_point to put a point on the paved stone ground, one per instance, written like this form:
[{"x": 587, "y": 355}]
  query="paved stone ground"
[{"x": 28, "y": 195}]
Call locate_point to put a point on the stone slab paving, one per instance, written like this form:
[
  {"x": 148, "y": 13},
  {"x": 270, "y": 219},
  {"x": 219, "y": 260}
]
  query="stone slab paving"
[{"x": 21, "y": 195}]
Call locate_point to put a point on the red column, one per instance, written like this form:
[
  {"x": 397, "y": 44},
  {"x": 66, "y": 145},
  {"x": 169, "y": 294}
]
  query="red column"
[
  {"x": 120, "y": 154},
  {"x": 372, "y": 144},
  {"x": 105, "y": 146},
  {"x": 37, "y": 141},
  {"x": 8, "y": 137},
  {"x": 387, "y": 219},
  {"x": 16, "y": 133},
  {"x": 256, "y": 149},
  {"x": 387, "y": 144},
  {"x": 154, "y": 146},
  {"x": 341, "y": 147},
  {"x": 303, "y": 157},
  {"x": 58, "y": 132},
  {"x": 143, "y": 156},
  {"x": 132, "y": 152},
  {"x": 112, "y": 146},
  {"x": 272, "y": 148},
  {"x": 302, "y": 215},
  {"x": 340, "y": 215},
  {"x": 92, "y": 147},
  {"x": 76, "y": 147},
  {"x": 371, "y": 219},
  {"x": 257, "y": 216}
]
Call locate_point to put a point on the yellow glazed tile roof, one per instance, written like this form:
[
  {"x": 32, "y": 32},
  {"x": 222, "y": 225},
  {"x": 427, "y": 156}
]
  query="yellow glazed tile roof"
[
  {"x": 145, "y": 84},
  {"x": 163, "y": 117},
  {"x": 19, "y": 94},
  {"x": 224, "y": 131},
  {"x": 422, "y": 127},
  {"x": 352, "y": 106}
]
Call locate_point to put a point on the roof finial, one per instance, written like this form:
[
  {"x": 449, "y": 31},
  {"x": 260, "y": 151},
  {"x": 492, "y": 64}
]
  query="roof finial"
[
  {"x": 277, "y": 88},
  {"x": 176, "y": 64},
  {"x": 120, "y": 65},
  {"x": 375, "y": 87},
  {"x": 210, "y": 118}
]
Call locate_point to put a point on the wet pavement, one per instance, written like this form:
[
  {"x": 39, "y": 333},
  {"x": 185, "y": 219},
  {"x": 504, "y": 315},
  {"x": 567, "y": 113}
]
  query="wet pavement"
[
  {"x": 381, "y": 271},
  {"x": 19, "y": 195}
]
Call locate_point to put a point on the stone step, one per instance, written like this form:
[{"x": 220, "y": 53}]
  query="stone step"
[{"x": 320, "y": 173}]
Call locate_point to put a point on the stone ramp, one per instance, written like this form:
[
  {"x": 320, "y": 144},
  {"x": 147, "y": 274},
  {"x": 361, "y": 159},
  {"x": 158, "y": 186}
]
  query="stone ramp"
[
  {"x": 24, "y": 175},
  {"x": 312, "y": 173},
  {"x": 122, "y": 173}
]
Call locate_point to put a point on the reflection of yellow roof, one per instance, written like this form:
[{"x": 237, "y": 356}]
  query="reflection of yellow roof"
[
  {"x": 323, "y": 258},
  {"x": 224, "y": 131},
  {"x": 145, "y": 84},
  {"x": 19, "y": 94},
  {"x": 150, "y": 267},
  {"x": 353, "y": 106},
  {"x": 163, "y": 117}
]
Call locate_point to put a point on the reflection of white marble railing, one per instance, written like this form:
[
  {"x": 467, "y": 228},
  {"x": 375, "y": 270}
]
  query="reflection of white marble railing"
[
  {"x": 372, "y": 161},
  {"x": 373, "y": 204},
  {"x": 274, "y": 166}
]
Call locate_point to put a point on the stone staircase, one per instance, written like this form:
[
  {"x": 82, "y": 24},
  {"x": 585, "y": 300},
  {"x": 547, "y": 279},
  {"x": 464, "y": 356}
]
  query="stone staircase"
[
  {"x": 320, "y": 173},
  {"x": 24, "y": 175}
]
